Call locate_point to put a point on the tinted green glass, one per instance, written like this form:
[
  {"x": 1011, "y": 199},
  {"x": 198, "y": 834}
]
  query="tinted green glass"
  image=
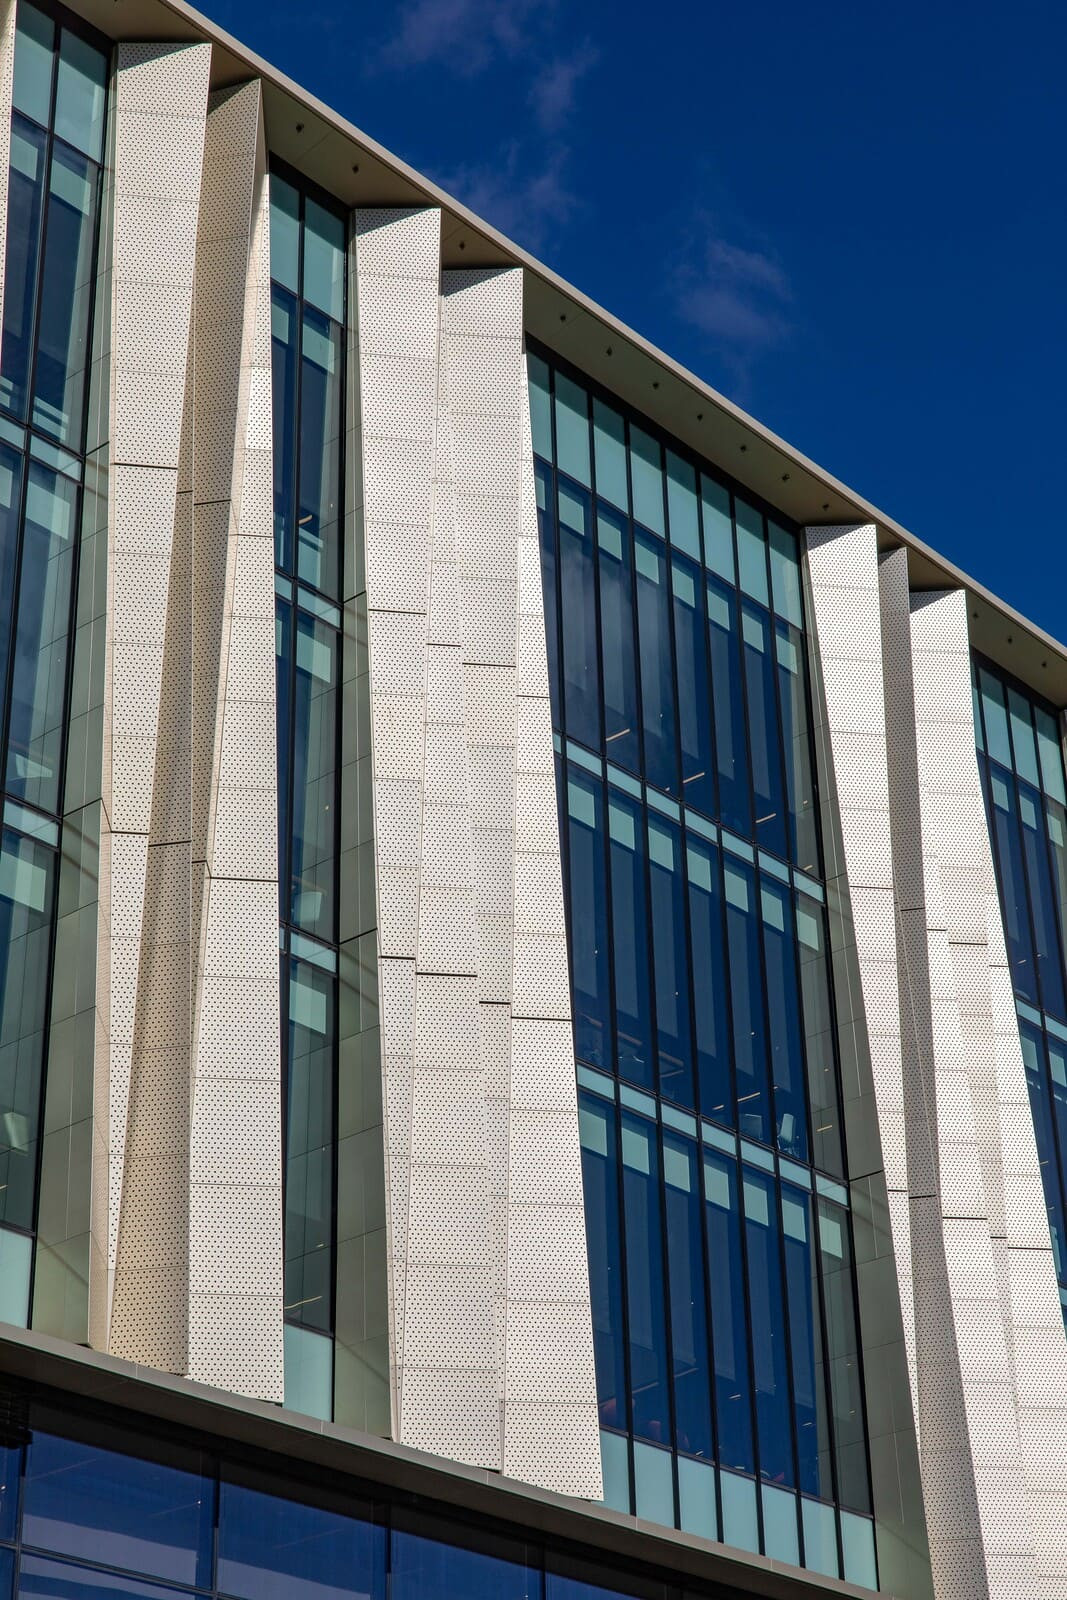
[{"x": 34, "y": 44}]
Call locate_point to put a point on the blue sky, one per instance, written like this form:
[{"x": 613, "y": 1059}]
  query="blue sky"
[{"x": 850, "y": 219}]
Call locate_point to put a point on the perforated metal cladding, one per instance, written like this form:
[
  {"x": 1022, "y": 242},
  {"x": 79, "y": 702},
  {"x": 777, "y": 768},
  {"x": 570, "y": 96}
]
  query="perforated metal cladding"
[
  {"x": 485, "y": 1267},
  {"x": 188, "y": 926}
]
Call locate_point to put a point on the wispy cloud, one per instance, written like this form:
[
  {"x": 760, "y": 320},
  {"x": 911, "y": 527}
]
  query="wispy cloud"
[
  {"x": 526, "y": 202},
  {"x": 739, "y": 297},
  {"x": 464, "y": 36},
  {"x": 553, "y": 91}
]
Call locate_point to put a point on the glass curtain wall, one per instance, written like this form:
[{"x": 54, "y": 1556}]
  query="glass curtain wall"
[
  {"x": 307, "y": 321},
  {"x": 727, "y": 1349},
  {"x": 1020, "y": 757},
  {"x": 57, "y": 137}
]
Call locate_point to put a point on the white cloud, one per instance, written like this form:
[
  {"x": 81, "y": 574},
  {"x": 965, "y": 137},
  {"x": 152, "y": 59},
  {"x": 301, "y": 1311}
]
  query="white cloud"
[
  {"x": 552, "y": 93},
  {"x": 738, "y": 296},
  {"x": 465, "y": 36},
  {"x": 525, "y": 203}
]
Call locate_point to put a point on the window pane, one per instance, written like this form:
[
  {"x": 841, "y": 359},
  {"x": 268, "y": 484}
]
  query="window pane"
[
  {"x": 309, "y": 1137},
  {"x": 729, "y": 1323},
  {"x": 1037, "y": 1084},
  {"x": 805, "y": 1338},
  {"x": 284, "y": 322},
  {"x": 718, "y": 528},
  {"x": 1051, "y": 753},
  {"x": 1042, "y": 902},
  {"x": 766, "y": 755},
  {"x": 119, "y": 1510},
  {"x": 546, "y": 524},
  {"x": 39, "y": 670},
  {"x": 283, "y": 662},
  {"x": 751, "y": 551},
  {"x": 492, "y": 1569},
  {"x": 11, "y": 464},
  {"x": 689, "y": 1326},
  {"x": 784, "y": 1030},
  {"x": 842, "y": 1336},
  {"x": 773, "y": 1412},
  {"x": 1056, "y": 831},
  {"x": 1012, "y": 885},
  {"x": 731, "y": 740},
  {"x": 667, "y": 903},
  {"x": 622, "y": 739},
  {"x": 998, "y": 743},
  {"x": 42, "y": 1579},
  {"x": 588, "y": 929},
  {"x": 785, "y": 574},
  {"x": 819, "y": 1050},
  {"x": 600, "y": 1179},
  {"x": 645, "y": 1286},
  {"x": 1022, "y": 737},
  {"x": 318, "y": 545},
  {"x": 34, "y": 43},
  {"x": 81, "y": 88},
  {"x": 577, "y": 582},
  {"x": 694, "y": 720},
  {"x": 609, "y": 445},
  {"x": 275, "y": 1549},
  {"x": 324, "y": 260},
  {"x": 646, "y": 479},
  {"x": 796, "y": 748},
  {"x": 27, "y": 884},
  {"x": 25, "y": 205},
  {"x": 682, "y": 506},
  {"x": 314, "y": 801},
  {"x": 746, "y": 995},
  {"x": 284, "y": 233},
  {"x": 709, "y": 982},
  {"x": 657, "y": 675},
  {"x": 67, "y": 286},
  {"x": 540, "y": 407},
  {"x": 572, "y": 429},
  {"x": 630, "y": 952}
]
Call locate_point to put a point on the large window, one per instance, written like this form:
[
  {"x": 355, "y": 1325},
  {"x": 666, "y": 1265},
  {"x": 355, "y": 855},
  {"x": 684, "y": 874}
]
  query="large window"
[
  {"x": 308, "y": 290},
  {"x": 724, "y": 1313},
  {"x": 54, "y": 185}
]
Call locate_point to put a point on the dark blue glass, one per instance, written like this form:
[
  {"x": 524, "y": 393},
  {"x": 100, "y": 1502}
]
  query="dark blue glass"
[
  {"x": 11, "y": 466},
  {"x": 67, "y": 286},
  {"x": 318, "y": 546},
  {"x": 275, "y": 1549},
  {"x": 645, "y": 1282},
  {"x": 546, "y": 524},
  {"x": 764, "y": 742},
  {"x": 285, "y": 331},
  {"x": 805, "y": 1337},
  {"x": 746, "y": 1000},
  {"x": 670, "y": 960},
  {"x": 629, "y": 940},
  {"x": 770, "y": 1369},
  {"x": 819, "y": 1046},
  {"x": 1056, "y": 833},
  {"x": 1037, "y": 1083},
  {"x": 1045, "y": 920},
  {"x": 694, "y": 703},
  {"x": 588, "y": 919},
  {"x": 801, "y": 797},
  {"x": 729, "y": 1322},
  {"x": 27, "y": 892},
  {"x": 657, "y": 665},
  {"x": 600, "y": 1180},
  {"x": 119, "y": 1510},
  {"x": 731, "y": 741},
  {"x": 1012, "y": 882},
  {"x": 686, "y": 1274},
  {"x": 309, "y": 1145},
  {"x": 312, "y": 905},
  {"x": 7, "y": 1572},
  {"x": 843, "y": 1349},
  {"x": 43, "y": 1579},
  {"x": 10, "y": 1470},
  {"x": 25, "y": 209},
  {"x": 571, "y": 1578},
  {"x": 785, "y": 1029},
  {"x": 577, "y": 588},
  {"x": 710, "y": 1014},
  {"x": 622, "y": 729},
  {"x": 426, "y": 1559},
  {"x": 1057, "y": 1062}
]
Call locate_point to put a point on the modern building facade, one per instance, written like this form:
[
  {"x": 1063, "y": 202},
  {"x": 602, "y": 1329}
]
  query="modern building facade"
[{"x": 533, "y": 1037}]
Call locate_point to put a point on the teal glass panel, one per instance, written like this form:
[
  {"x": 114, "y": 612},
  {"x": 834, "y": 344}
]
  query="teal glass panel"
[
  {"x": 572, "y": 429},
  {"x": 697, "y": 1512},
  {"x": 67, "y": 287},
  {"x": 81, "y": 91},
  {"x": 284, "y": 233},
  {"x": 842, "y": 1336},
  {"x": 780, "y": 1540},
  {"x": 785, "y": 575},
  {"x": 683, "y": 521},
  {"x": 309, "y": 1129},
  {"x": 857, "y": 1543},
  {"x": 751, "y": 551},
  {"x": 34, "y": 43},
  {"x": 998, "y": 744},
  {"x": 653, "y": 1484},
  {"x": 15, "y": 1253},
  {"x": 646, "y": 479},
  {"x": 324, "y": 260},
  {"x": 308, "y": 1372},
  {"x": 609, "y": 448},
  {"x": 718, "y": 528},
  {"x": 1051, "y": 753},
  {"x": 319, "y": 438},
  {"x": 820, "y": 1538},
  {"x": 540, "y": 407},
  {"x": 615, "y": 1464},
  {"x": 740, "y": 1525},
  {"x": 1022, "y": 737},
  {"x": 25, "y": 214}
]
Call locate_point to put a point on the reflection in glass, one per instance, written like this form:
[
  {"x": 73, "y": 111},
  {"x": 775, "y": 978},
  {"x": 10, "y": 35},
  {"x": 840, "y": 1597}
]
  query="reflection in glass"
[
  {"x": 275, "y": 1549},
  {"x": 600, "y": 1179},
  {"x": 729, "y": 1321},
  {"x": 428, "y": 1562},
  {"x": 731, "y": 741},
  {"x": 577, "y": 588},
  {"x": 27, "y": 886},
  {"x": 689, "y": 1328},
  {"x": 694, "y": 705},
  {"x": 629, "y": 943},
  {"x": 67, "y": 281},
  {"x": 670, "y": 960},
  {"x": 588, "y": 919},
  {"x": 709, "y": 982},
  {"x": 622, "y": 732},
  {"x": 796, "y": 748},
  {"x": 842, "y": 1333},
  {"x": 764, "y": 743},
  {"x": 546, "y": 525},
  {"x": 784, "y": 1033},
  {"x": 313, "y": 828},
  {"x": 769, "y": 1366},
  {"x": 645, "y": 1286},
  {"x": 658, "y": 700},
  {"x": 746, "y": 999},
  {"x": 25, "y": 209},
  {"x": 811, "y": 1417},
  {"x": 309, "y": 1139}
]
